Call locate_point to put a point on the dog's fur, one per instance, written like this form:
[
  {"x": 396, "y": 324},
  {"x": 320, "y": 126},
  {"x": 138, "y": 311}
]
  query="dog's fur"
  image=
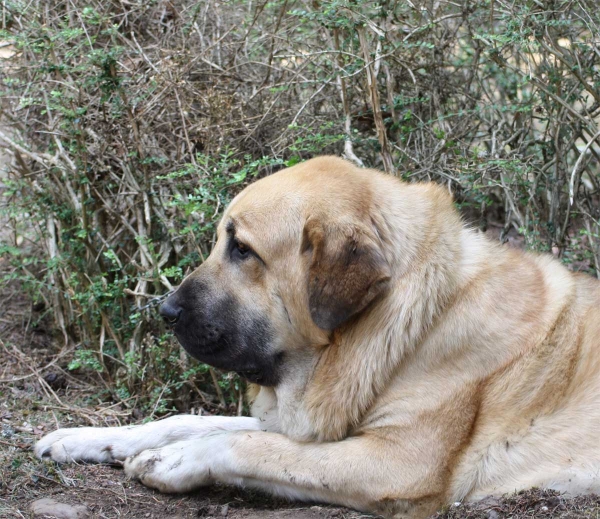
[{"x": 405, "y": 361}]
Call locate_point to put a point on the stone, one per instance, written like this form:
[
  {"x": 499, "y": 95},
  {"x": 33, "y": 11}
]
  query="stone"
[{"x": 47, "y": 507}]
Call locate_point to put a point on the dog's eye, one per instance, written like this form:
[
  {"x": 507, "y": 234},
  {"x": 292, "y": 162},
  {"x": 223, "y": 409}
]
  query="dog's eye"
[{"x": 240, "y": 250}]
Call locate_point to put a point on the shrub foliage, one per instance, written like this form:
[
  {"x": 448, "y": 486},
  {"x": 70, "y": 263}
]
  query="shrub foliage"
[{"x": 133, "y": 123}]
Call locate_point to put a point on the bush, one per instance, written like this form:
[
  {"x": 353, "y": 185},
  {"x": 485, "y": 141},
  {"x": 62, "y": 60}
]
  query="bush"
[{"x": 133, "y": 124}]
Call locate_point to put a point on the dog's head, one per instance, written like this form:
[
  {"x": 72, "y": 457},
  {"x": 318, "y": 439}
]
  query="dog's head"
[{"x": 297, "y": 256}]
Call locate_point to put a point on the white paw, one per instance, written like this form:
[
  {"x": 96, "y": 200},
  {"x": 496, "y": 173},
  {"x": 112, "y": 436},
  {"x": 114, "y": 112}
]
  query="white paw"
[
  {"x": 114, "y": 444},
  {"x": 179, "y": 467},
  {"x": 87, "y": 444}
]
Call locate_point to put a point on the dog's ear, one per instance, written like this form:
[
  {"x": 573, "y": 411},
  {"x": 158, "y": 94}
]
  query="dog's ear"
[{"x": 347, "y": 271}]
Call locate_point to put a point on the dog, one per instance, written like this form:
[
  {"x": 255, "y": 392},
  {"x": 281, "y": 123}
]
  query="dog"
[{"x": 400, "y": 360}]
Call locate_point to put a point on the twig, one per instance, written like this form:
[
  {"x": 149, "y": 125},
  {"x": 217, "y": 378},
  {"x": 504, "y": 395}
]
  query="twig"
[
  {"x": 375, "y": 106},
  {"x": 576, "y": 167},
  {"x": 341, "y": 85},
  {"x": 215, "y": 381}
]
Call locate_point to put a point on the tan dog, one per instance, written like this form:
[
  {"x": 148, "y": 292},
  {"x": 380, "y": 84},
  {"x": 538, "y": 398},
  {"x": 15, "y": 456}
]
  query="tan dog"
[{"x": 404, "y": 361}]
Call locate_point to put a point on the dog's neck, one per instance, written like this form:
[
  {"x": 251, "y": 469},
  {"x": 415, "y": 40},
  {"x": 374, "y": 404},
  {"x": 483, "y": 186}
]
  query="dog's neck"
[
  {"x": 339, "y": 383},
  {"x": 281, "y": 409},
  {"x": 423, "y": 248}
]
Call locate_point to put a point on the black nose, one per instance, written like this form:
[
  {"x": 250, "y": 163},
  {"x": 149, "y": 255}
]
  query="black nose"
[{"x": 170, "y": 312}]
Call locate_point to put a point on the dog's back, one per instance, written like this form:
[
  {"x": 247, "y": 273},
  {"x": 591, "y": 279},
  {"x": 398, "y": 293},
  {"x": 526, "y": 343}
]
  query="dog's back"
[{"x": 539, "y": 418}]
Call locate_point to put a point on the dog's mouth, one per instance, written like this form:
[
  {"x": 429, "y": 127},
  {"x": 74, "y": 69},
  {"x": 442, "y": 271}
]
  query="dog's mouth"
[
  {"x": 250, "y": 369},
  {"x": 220, "y": 338}
]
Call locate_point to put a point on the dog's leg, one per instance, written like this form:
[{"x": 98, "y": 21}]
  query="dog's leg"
[
  {"x": 111, "y": 444},
  {"x": 360, "y": 472}
]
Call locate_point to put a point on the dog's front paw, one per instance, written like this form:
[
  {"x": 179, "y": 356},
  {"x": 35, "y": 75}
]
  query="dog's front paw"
[
  {"x": 179, "y": 467},
  {"x": 87, "y": 444}
]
